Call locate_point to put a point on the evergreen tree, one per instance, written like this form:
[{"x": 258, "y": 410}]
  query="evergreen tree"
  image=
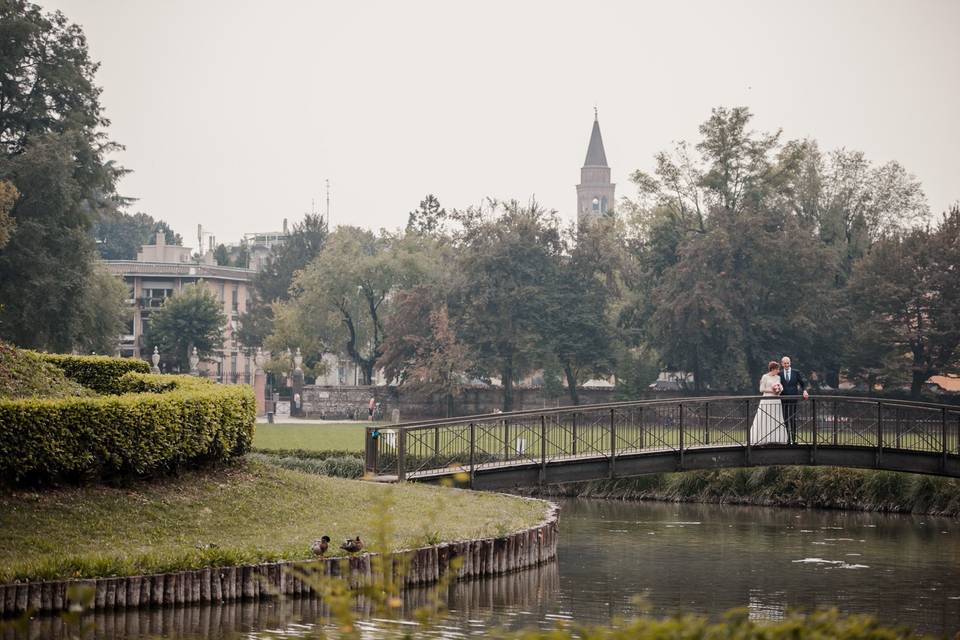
[{"x": 221, "y": 256}]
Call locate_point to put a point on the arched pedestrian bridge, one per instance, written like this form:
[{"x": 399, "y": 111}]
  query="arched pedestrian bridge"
[{"x": 591, "y": 442}]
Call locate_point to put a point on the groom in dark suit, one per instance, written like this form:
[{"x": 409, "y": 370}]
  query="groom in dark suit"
[{"x": 793, "y": 386}]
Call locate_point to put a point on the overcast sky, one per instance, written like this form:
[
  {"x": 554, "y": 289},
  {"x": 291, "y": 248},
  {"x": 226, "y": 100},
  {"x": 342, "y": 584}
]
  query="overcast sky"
[{"x": 234, "y": 113}]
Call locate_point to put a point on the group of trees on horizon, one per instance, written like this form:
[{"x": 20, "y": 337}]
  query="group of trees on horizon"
[{"x": 738, "y": 248}]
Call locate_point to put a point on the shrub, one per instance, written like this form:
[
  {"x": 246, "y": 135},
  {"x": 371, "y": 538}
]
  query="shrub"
[
  {"x": 136, "y": 382},
  {"x": 100, "y": 373},
  {"x": 25, "y": 374},
  {"x": 134, "y": 434}
]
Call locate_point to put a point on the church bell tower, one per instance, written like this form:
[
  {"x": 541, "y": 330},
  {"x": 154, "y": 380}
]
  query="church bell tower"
[{"x": 595, "y": 195}]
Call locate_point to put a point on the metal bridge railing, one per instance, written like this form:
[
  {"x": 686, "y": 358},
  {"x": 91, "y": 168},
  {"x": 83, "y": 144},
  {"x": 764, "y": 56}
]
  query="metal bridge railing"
[{"x": 609, "y": 431}]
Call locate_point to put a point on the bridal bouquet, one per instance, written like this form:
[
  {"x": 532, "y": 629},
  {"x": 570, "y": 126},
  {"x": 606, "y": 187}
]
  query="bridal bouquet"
[{"x": 777, "y": 387}]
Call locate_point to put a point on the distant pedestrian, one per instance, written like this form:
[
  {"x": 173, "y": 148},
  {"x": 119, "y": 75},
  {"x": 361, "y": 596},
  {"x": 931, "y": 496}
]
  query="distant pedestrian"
[{"x": 370, "y": 407}]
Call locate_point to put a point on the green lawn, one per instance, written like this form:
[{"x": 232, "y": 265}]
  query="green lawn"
[
  {"x": 310, "y": 437},
  {"x": 245, "y": 514}
]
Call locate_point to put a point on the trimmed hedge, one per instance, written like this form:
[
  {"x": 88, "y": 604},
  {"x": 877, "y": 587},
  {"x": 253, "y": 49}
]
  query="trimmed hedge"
[
  {"x": 100, "y": 373},
  {"x": 194, "y": 421},
  {"x": 24, "y": 374},
  {"x": 136, "y": 382}
]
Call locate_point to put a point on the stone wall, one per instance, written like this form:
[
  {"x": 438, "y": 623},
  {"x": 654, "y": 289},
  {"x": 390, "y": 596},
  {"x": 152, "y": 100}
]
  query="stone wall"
[{"x": 342, "y": 402}]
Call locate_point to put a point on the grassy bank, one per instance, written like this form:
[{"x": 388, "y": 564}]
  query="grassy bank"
[
  {"x": 309, "y": 437},
  {"x": 243, "y": 514},
  {"x": 812, "y": 487}
]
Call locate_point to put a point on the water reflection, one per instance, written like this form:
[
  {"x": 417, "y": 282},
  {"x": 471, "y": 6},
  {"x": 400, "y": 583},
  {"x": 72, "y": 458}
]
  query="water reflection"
[
  {"x": 681, "y": 558},
  {"x": 709, "y": 558},
  {"x": 527, "y": 593}
]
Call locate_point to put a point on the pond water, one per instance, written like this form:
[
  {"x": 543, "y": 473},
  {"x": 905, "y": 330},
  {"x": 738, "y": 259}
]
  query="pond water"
[{"x": 679, "y": 557}]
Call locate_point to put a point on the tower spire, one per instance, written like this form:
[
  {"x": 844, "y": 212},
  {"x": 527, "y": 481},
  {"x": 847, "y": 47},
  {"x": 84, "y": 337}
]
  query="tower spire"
[
  {"x": 595, "y": 193},
  {"x": 596, "y": 157}
]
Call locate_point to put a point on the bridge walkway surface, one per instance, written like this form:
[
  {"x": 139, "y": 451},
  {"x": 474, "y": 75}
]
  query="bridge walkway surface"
[{"x": 591, "y": 442}]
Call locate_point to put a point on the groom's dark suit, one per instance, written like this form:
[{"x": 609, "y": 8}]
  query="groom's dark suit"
[{"x": 793, "y": 386}]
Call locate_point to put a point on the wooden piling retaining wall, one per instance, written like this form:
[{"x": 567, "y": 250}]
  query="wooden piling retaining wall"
[{"x": 424, "y": 565}]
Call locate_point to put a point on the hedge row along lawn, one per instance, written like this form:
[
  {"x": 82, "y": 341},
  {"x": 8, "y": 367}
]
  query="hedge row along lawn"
[{"x": 228, "y": 516}]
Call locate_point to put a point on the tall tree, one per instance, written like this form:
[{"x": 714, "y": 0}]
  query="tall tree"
[
  {"x": 906, "y": 293},
  {"x": 731, "y": 168},
  {"x": 580, "y": 323},
  {"x": 745, "y": 245},
  {"x": 46, "y": 265},
  {"x": 421, "y": 350},
  {"x": 192, "y": 318},
  {"x": 428, "y": 218},
  {"x": 273, "y": 283},
  {"x": 505, "y": 272},
  {"x": 52, "y": 148},
  {"x": 344, "y": 295},
  {"x": 104, "y": 313}
]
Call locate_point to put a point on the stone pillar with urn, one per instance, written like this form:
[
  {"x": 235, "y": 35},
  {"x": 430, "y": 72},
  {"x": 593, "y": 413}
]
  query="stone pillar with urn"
[
  {"x": 194, "y": 362},
  {"x": 156, "y": 361},
  {"x": 296, "y": 407},
  {"x": 260, "y": 382}
]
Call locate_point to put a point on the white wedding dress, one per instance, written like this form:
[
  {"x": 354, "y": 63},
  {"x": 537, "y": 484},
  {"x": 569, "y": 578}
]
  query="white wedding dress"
[{"x": 768, "y": 426}]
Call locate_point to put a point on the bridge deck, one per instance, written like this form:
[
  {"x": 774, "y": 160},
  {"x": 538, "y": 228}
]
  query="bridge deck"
[{"x": 589, "y": 442}]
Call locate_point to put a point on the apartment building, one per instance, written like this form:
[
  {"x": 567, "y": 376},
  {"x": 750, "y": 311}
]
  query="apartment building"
[{"x": 160, "y": 271}]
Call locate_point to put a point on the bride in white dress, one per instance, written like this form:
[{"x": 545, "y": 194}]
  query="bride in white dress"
[{"x": 768, "y": 426}]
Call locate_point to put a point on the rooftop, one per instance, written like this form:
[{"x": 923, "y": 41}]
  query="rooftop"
[{"x": 134, "y": 267}]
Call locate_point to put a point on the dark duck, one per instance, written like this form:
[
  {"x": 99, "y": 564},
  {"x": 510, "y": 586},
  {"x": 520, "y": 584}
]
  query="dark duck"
[
  {"x": 352, "y": 546},
  {"x": 319, "y": 547}
]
